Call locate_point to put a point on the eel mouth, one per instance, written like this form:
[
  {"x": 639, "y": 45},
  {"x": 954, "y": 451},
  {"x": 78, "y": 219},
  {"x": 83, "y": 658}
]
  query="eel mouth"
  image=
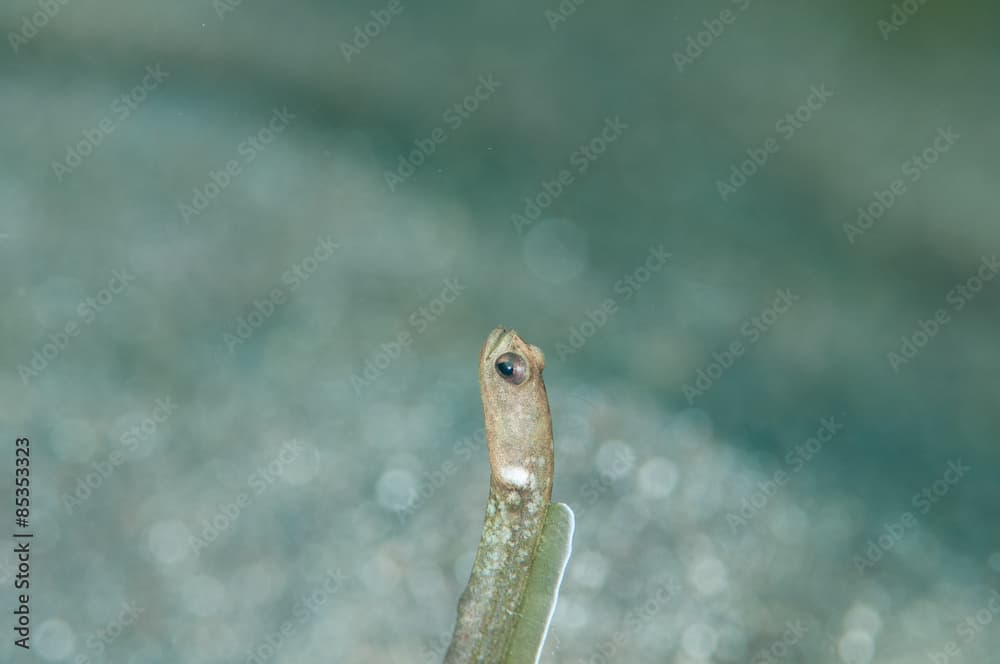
[{"x": 495, "y": 339}]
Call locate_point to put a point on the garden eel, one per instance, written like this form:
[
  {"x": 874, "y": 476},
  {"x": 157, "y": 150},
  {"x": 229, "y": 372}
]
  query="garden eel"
[{"x": 519, "y": 439}]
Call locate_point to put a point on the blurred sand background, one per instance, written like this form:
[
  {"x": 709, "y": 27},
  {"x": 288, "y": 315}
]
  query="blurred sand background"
[{"x": 238, "y": 357}]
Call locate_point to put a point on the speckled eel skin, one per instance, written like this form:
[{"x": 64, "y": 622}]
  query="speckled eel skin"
[{"x": 519, "y": 438}]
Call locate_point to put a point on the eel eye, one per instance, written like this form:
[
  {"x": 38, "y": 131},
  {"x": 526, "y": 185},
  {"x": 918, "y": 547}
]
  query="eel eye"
[{"x": 512, "y": 367}]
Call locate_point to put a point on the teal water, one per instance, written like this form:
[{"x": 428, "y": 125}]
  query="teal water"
[{"x": 250, "y": 251}]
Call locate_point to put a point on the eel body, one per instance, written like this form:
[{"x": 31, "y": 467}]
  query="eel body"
[{"x": 519, "y": 439}]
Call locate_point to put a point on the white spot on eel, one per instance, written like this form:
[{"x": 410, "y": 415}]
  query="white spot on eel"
[{"x": 517, "y": 476}]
